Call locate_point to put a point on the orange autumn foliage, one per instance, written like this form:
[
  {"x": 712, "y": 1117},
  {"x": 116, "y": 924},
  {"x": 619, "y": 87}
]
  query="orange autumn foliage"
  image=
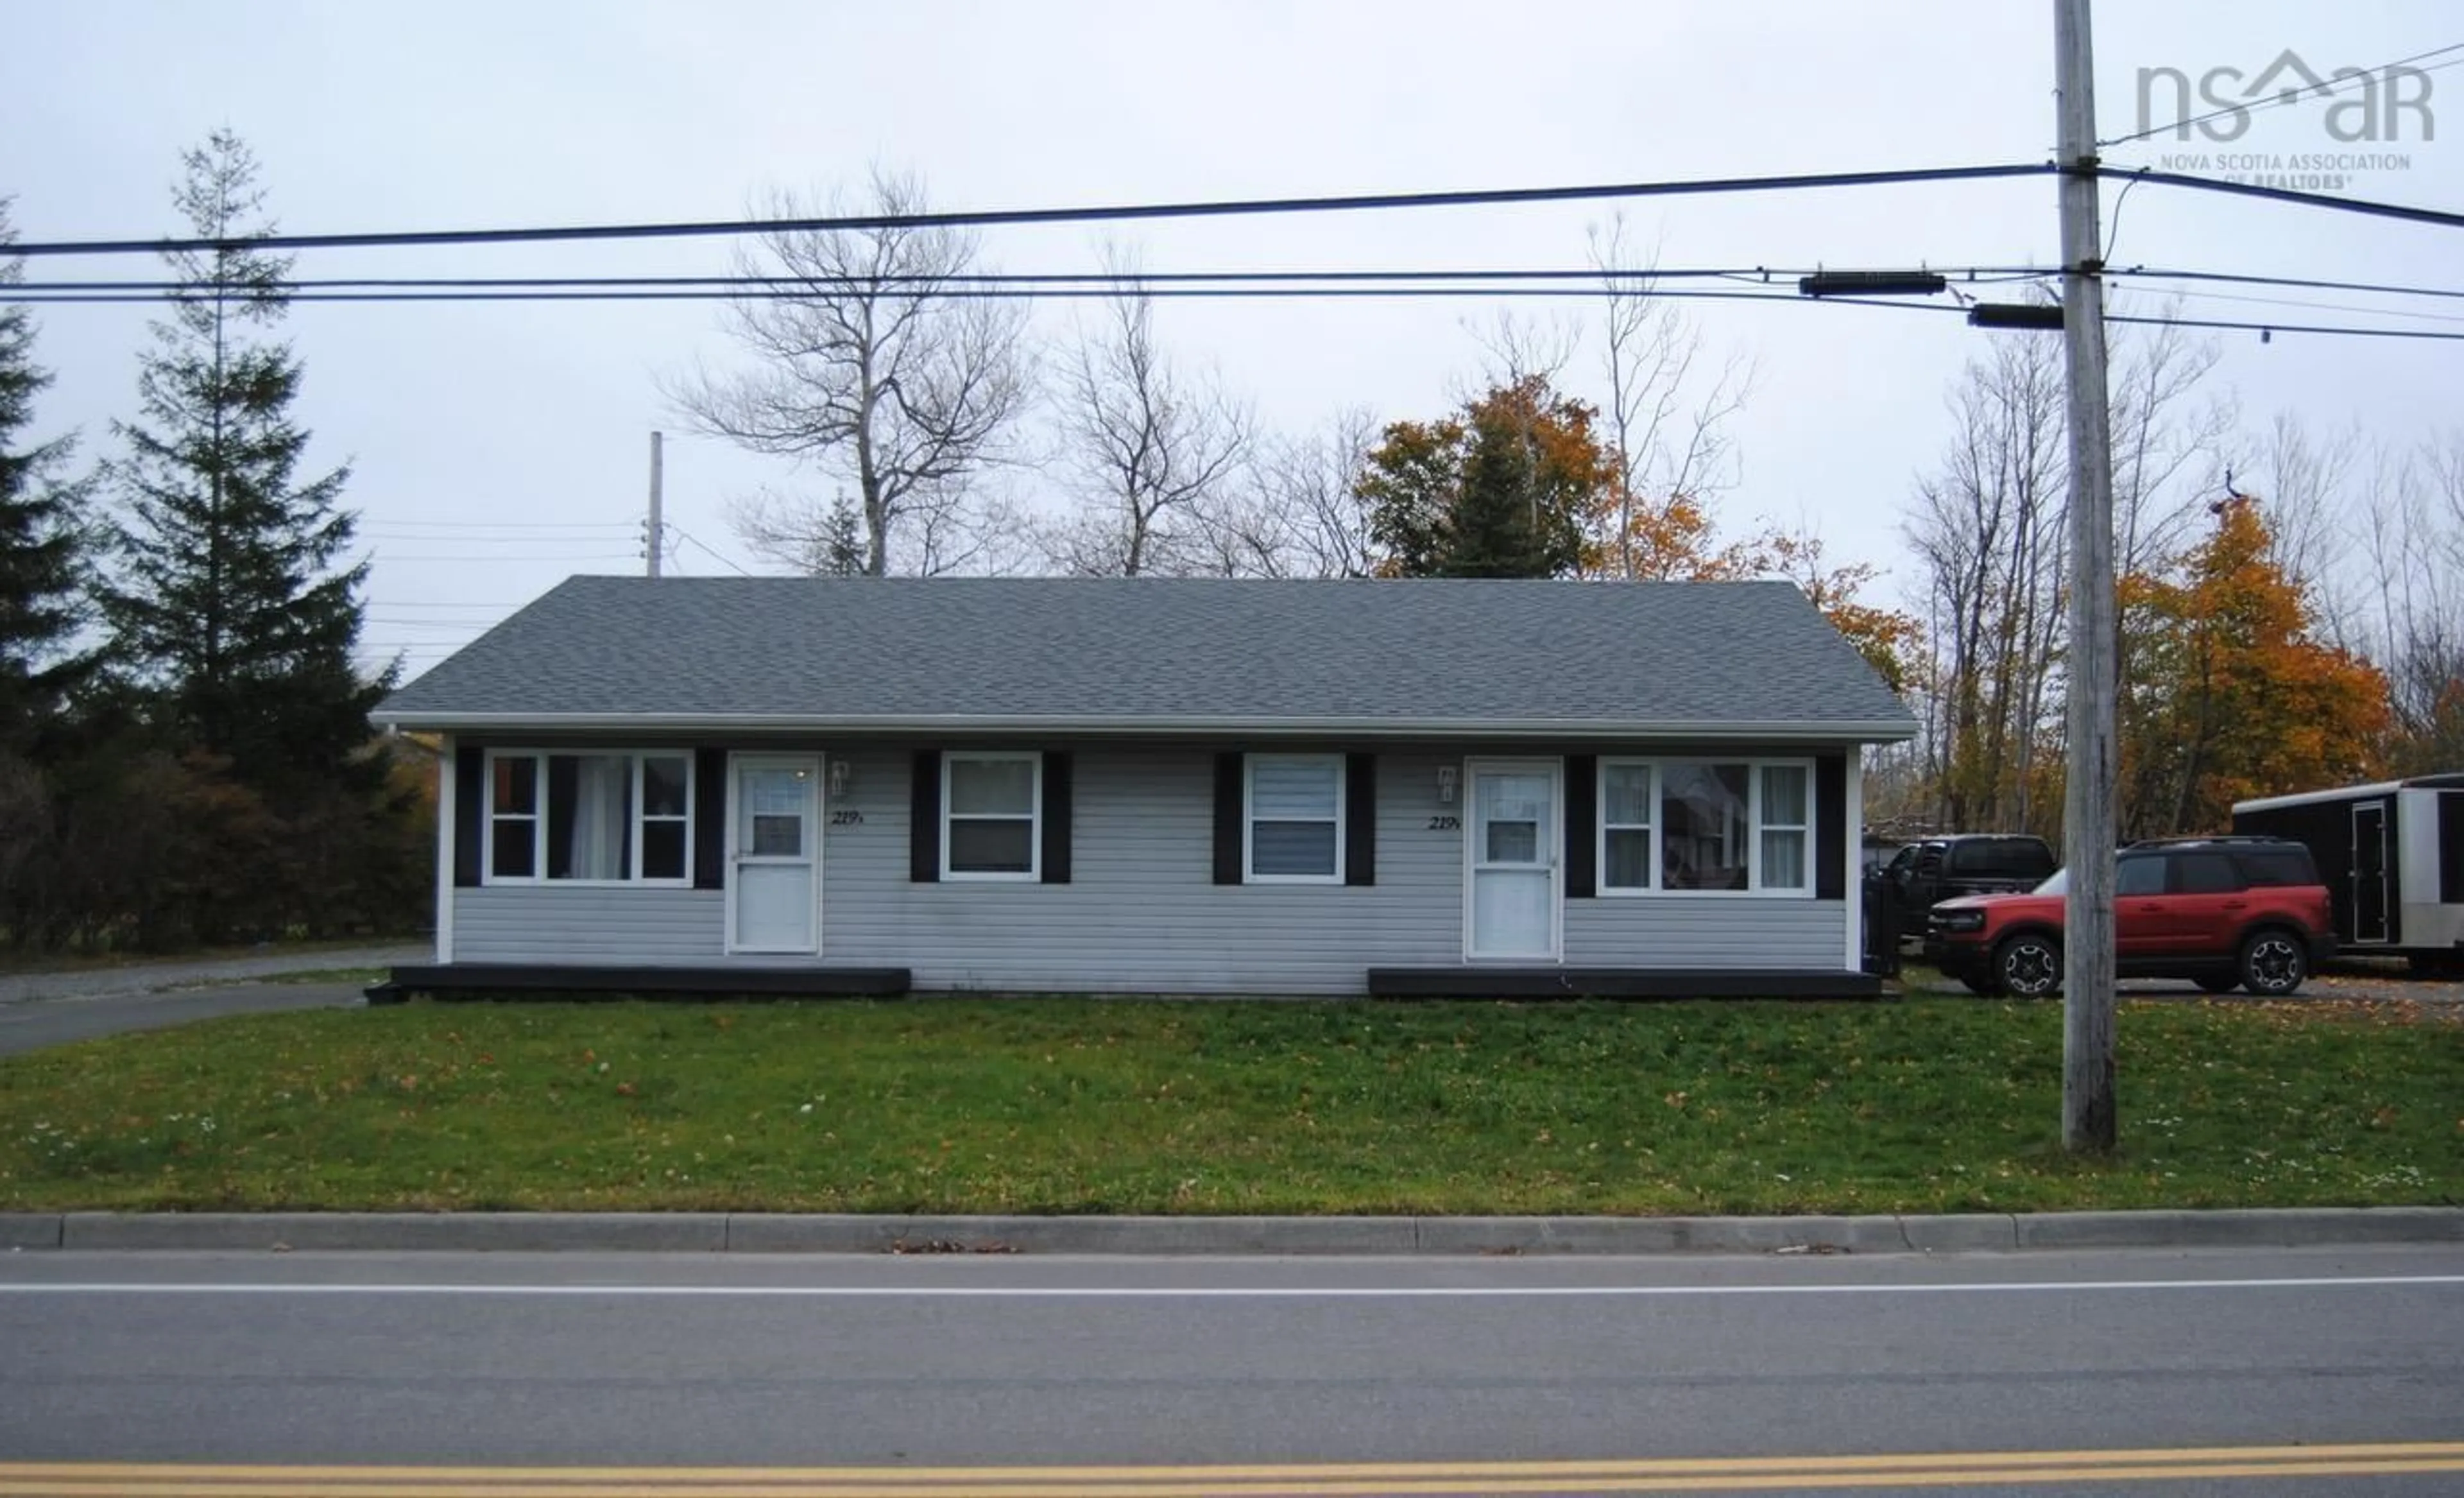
[
  {"x": 1519, "y": 483},
  {"x": 2226, "y": 693}
]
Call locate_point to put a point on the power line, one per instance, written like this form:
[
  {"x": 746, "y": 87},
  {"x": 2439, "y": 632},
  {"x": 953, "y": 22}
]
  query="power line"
[
  {"x": 2371, "y": 207},
  {"x": 684, "y": 535},
  {"x": 496, "y": 525},
  {"x": 509, "y": 546},
  {"x": 2297, "y": 282},
  {"x": 516, "y": 544},
  {"x": 1360, "y": 293},
  {"x": 799, "y": 285},
  {"x": 1317, "y": 292},
  {"x": 595, "y": 556},
  {"x": 2294, "y": 96},
  {"x": 2320, "y": 306},
  {"x": 2270, "y": 328},
  {"x": 1000, "y": 217},
  {"x": 1060, "y": 294}
]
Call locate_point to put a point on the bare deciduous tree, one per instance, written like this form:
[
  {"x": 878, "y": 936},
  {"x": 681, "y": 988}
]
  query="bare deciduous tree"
[
  {"x": 1987, "y": 528},
  {"x": 1516, "y": 348},
  {"x": 1666, "y": 421},
  {"x": 1154, "y": 457},
  {"x": 2412, "y": 570},
  {"x": 869, "y": 364},
  {"x": 2303, "y": 483},
  {"x": 1293, "y": 514},
  {"x": 2163, "y": 432},
  {"x": 1308, "y": 481}
]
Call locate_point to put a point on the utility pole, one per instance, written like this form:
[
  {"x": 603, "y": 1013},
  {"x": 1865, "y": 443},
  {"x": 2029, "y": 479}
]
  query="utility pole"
[
  {"x": 657, "y": 530},
  {"x": 2088, "y": 820}
]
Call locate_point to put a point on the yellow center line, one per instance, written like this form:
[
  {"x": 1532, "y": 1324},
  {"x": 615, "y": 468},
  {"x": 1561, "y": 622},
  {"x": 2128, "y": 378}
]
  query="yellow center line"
[{"x": 1328, "y": 1480}]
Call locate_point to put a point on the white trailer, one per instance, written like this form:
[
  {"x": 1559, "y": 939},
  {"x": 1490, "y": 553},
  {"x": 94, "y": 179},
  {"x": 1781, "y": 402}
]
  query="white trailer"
[{"x": 2392, "y": 855}]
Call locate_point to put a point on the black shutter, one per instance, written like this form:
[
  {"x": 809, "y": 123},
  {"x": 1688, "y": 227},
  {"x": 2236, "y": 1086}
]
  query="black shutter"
[
  {"x": 470, "y": 812},
  {"x": 1227, "y": 818},
  {"x": 1582, "y": 827},
  {"x": 1056, "y": 818},
  {"x": 710, "y": 819},
  {"x": 1830, "y": 827},
  {"x": 1360, "y": 819},
  {"x": 924, "y": 818}
]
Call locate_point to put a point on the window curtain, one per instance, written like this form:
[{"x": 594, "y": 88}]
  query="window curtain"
[{"x": 603, "y": 796}]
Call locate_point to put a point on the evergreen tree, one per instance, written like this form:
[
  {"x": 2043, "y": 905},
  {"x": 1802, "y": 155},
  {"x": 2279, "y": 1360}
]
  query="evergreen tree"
[
  {"x": 233, "y": 601},
  {"x": 39, "y": 543},
  {"x": 1504, "y": 489},
  {"x": 842, "y": 553},
  {"x": 1496, "y": 529}
]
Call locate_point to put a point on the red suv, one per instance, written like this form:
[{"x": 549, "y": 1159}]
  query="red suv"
[{"x": 2227, "y": 912}]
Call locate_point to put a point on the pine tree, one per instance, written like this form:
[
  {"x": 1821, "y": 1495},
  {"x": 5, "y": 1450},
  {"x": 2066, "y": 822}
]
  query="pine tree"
[
  {"x": 1496, "y": 530},
  {"x": 39, "y": 543},
  {"x": 1503, "y": 488},
  {"x": 232, "y": 600},
  {"x": 843, "y": 551}
]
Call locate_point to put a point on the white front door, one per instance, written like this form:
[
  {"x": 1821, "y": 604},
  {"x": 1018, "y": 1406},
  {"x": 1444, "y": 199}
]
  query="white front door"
[
  {"x": 773, "y": 846},
  {"x": 1512, "y": 858}
]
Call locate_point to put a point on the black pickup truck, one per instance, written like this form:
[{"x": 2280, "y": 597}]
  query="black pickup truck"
[{"x": 1938, "y": 869}]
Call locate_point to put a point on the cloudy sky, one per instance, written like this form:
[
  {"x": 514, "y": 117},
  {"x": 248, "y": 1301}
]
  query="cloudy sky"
[{"x": 463, "y": 421}]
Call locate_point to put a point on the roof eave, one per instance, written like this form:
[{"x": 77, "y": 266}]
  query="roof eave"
[{"x": 1859, "y": 731}]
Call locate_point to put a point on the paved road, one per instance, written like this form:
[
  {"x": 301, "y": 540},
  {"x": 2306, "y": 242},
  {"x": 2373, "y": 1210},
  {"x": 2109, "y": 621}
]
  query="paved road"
[
  {"x": 2260, "y": 1359},
  {"x": 137, "y": 977},
  {"x": 59, "y": 1022}
]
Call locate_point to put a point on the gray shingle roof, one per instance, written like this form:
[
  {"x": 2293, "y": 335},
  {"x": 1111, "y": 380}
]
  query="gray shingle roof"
[{"x": 1123, "y": 653}]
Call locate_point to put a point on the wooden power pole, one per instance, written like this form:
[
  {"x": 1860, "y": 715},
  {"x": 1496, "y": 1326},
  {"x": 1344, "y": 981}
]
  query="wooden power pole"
[
  {"x": 2088, "y": 814},
  {"x": 657, "y": 530}
]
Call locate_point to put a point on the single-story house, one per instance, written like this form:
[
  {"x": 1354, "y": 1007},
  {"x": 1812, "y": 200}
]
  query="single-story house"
[{"x": 1155, "y": 785}]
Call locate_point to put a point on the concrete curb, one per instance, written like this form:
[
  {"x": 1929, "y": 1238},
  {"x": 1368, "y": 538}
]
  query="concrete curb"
[{"x": 763, "y": 1232}]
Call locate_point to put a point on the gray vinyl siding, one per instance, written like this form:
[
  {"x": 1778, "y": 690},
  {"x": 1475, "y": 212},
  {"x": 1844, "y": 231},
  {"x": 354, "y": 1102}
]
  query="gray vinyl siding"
[
  {"x": 1142, "y": 911},
  {"x": 1765, "y": 933},
  {"x": 544, "y": 923}
]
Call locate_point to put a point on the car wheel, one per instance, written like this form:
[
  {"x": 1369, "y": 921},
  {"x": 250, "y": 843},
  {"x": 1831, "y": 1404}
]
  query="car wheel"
[
  {"x": 2029, "y": 966},
  {"x": 2273, "y": 964},
  {"x": 2217, "y": 985}
]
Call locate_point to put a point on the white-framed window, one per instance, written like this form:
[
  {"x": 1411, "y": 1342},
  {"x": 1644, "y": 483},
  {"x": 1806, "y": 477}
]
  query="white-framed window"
[
  {"x": 1292, "y": 816},
  {"x": 1683, "y": 825},
  {"x": 1628, "y": 851},
  {"x": 992, "y": 814},
  {"x": 588, "y": 817},
  {"x": 1784, "y": 814},
  {"x": 512, "y": 817}
]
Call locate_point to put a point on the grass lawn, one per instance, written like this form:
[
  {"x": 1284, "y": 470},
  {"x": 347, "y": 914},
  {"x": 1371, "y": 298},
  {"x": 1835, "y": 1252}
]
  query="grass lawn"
[{"x": 1065, "y": 1105}]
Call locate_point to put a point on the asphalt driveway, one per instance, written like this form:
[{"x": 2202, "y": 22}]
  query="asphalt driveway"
[
  {"x": 39, "y": 1009},
  {"x": 138, "y": 977},
  {"x": 35, "y": 1023}
]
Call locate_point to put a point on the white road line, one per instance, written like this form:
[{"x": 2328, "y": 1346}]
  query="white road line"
[{"x": 1220, "y": 1291}]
